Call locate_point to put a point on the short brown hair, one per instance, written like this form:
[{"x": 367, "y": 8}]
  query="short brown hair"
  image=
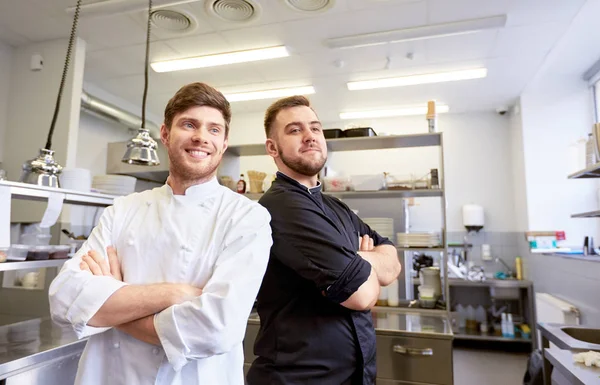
[
  {"x": 282, "y": 104},
  {"x": 194, "y": 95}
]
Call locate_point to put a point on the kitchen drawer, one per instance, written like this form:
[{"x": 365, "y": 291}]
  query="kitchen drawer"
[
  {"x": 414, "y": 359},
  {"x": 249, "y": 338},
  {"x": 380, "y": 381}
]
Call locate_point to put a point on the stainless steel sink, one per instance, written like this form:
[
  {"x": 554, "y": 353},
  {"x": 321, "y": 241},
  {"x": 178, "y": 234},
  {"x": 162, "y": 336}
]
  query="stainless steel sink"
[{"x": 589, "y": 335}]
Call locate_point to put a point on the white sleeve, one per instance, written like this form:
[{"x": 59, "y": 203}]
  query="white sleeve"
[
  {"x": 215, "y": 322},
  {"x": 77, "y": 295}
]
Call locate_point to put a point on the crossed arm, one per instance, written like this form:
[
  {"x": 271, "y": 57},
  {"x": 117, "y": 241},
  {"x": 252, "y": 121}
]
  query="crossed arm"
[
  {"x": 383, "y": 259},
  {"x": 131, "y": 309}
]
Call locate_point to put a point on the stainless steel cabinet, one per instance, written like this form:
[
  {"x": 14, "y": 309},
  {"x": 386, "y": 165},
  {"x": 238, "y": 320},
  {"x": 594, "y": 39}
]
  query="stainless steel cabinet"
[
  {"x": 408, "y": 360},
  {"x": 60, "y": 371}
]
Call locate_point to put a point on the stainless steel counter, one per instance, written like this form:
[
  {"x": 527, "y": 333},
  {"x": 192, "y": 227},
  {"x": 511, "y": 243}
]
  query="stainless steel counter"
[
  {"x": 29, "y": 343},
  {"x": 402, "y": 323},
  {"x": 574, "y": 373}
]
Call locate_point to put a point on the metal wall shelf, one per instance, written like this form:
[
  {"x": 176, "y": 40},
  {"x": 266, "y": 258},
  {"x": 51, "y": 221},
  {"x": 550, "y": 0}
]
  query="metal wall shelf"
[
  {"x": 8, "y": 266},
  {"x": 40, "y": 193},
  {"x": 590, "y": 172},
  {"x": 488, "y": 337},
  {"x": 589, "y": 214},
  {"x": 354, "y": 144},
  {"x": 418, "y": 193}
]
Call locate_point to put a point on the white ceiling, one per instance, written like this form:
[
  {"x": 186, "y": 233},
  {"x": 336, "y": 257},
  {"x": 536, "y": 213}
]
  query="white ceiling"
[{"x": 115, "y": 50}]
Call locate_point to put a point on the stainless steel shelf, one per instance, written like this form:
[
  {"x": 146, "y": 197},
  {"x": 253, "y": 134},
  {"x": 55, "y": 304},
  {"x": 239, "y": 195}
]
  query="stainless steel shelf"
[
  {"x": 8, "y": 266},
  {"x": 589, "y": 214},
  {"x": 375, "y": 194},
  {"x": 404, "y": 310},
  {"x": 490, "y": 283},
  {"x": 355, "y": 144},
  {"x": 424, "y": 249},
  {"x": 589, "y": 172},
  {"x": 487, "y": 337},
  {"x": 40, "y": 193}
]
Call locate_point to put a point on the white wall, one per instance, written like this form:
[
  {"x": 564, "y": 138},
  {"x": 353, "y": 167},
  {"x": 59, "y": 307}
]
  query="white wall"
[
  {"x": 476, "y": 155},
  {"x": 557, "y": 110},
  {"x": 6, "y": 53}
]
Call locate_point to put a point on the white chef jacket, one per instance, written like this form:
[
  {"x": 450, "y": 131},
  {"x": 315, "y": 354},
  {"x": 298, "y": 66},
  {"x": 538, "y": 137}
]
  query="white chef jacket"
[{"x": 212, "y": 238}]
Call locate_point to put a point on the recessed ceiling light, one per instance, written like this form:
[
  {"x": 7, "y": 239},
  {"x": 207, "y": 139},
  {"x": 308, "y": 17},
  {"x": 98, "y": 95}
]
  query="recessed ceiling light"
[
  {"x": 418, "y": 33},
  {"x": 410, "y": 80},
  {"x": 220, "y": 59},
  {"x": 270, "y": 94},
  {"x": 400, "y": 111}
]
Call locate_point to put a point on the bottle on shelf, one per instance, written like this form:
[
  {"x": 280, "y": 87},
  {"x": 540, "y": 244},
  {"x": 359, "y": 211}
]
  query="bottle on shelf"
[
  {"x": 462, "y": 316},
  {"x": 510, "y": 327},
  {"x": 590, "y": 151},
  {"x": 519, "y": 265},
  {"x": 241, "y": 185},
  {"x": 504, "y": 325},
  {"x": 431, "y": 116},
  {"x": 481, "y": 317}
]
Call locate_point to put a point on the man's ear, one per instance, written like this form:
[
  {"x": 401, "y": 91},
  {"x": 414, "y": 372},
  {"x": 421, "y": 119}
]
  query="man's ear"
[
  {"x": 225, "y": 145},
  {"x": 164, "y": 135},
  {"x": 271, "y": 147}
]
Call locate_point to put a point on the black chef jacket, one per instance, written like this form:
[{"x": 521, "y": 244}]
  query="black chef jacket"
[{"x": 306, "y": 337}]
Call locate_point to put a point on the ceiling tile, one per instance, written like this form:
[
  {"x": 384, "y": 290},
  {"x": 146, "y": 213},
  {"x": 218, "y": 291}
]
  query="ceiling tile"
[
  {"x": 517, "y": 41},
  {"x": 527, "y": 12},
  {"x": 443, "y": 11},
  {"x": 462, "y": 47},
  {"x": 123, "y": 31},
  {"x": 198, "y": 45}
]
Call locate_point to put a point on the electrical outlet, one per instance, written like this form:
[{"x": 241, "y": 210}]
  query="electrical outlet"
[{"x": 486, "y": 252}]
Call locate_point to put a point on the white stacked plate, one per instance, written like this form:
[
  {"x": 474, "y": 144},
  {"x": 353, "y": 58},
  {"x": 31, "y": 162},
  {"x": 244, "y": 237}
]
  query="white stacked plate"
[
  {"x": 79, "y": 179},
  {"x": 419, "y": 239},
  {"x": 114, "y": 184},
  {"x": 383, "y": 226}
]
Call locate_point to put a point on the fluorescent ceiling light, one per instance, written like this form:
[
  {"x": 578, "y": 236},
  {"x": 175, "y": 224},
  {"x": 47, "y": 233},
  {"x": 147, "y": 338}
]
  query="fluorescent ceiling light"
[
  {"x": 220, "y": 59},
  {"x": 410, "y": 80},
  {"x": 401, "y": 111},
  {"x": 418, "y": 33},
  {"x": 270, "y": 94}
]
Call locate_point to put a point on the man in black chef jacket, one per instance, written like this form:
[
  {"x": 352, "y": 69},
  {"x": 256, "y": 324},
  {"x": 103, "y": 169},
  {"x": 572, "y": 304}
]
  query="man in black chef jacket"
[{"x": 325, "y": 269}]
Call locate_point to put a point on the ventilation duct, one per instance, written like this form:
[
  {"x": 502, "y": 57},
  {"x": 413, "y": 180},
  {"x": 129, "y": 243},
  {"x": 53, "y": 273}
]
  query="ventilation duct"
[{"x": 105, "y": 110}]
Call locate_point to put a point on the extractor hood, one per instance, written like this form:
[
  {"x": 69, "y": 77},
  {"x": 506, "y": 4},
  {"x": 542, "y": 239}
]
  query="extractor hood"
[{"x": 157, "y": 174}]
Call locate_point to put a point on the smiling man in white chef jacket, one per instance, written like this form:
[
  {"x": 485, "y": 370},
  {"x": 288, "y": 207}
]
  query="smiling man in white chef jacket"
[{"x": 168, "y": 301}]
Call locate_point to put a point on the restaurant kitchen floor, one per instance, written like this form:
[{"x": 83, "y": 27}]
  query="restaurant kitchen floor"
[{"x": 487, "y": 367}]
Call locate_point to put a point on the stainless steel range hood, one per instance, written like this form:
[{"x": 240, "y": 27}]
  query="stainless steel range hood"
[{"x": 114, "y": 165}]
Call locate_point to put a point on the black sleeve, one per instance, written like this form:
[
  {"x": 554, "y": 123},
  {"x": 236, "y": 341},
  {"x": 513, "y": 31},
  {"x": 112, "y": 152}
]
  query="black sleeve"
[{"x": 305, "y": 240}]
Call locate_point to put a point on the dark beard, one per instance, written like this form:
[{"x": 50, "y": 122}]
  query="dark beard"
[{"x": 303, "y": 168}]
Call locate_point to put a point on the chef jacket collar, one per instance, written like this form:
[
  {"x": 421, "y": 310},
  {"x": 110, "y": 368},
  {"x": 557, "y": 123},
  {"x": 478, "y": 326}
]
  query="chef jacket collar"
[
  {"x": 310, "y": 190},
  {"x": 201, "y": 190}
]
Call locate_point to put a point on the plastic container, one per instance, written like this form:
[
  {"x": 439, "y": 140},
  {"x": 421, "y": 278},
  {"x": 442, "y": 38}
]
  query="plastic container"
[
  {"x": 18, "y": 252},
  {"x": 39, "y": 253},
  {"x": 368, "y": 182},
  {"x": 336, "y": 183},
  {"x": 60, "y": 252},
  {"x": 36, "y": 239}
]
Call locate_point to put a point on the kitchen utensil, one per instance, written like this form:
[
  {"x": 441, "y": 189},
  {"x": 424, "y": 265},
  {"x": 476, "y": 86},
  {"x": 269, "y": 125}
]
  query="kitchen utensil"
[
  {"x": 256, "y": 181},
  {"x": 358, "y": 132}
]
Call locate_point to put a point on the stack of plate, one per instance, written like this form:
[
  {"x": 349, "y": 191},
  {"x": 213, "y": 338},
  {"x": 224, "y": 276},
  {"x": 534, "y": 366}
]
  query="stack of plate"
[
  {"x": 383, "y": 226},
  {"x": 419, "y": 239},
  {"x": 114, "y": 184},
  {"x": 79, "y": 179}
]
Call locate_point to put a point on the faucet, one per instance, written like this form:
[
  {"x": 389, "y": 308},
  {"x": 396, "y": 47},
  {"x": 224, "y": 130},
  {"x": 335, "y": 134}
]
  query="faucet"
[{"x": 508, "y": 269}]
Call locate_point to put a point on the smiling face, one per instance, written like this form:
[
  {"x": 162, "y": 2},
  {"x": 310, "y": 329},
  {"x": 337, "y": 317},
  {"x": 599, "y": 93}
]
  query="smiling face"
[
  {"x": 297, "y": 143},
  {"x": 195, "y": 143}
]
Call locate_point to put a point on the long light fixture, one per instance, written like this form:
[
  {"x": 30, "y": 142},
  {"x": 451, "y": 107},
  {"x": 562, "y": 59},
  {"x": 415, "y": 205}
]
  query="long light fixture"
[
  {"x": 410, "y": 80},
  {"x": 400, "y": 111},
  {"x": 220, "y": 59},
  {"x": 114, "y": 7},
  {"x": 141, "y": 150},
  {"x": 418, "y": 33},
  {"x": 270, "y": 94}
]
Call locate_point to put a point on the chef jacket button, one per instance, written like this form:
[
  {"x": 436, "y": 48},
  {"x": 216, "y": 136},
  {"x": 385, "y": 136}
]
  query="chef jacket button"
[
  {"x": 183, "y": 247},
  {"x": 116, "y": 345},
  {"x": 148, "y": 203},
  {"x": 155, "y": 350},
  {"x": 130, "y": 242}
]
